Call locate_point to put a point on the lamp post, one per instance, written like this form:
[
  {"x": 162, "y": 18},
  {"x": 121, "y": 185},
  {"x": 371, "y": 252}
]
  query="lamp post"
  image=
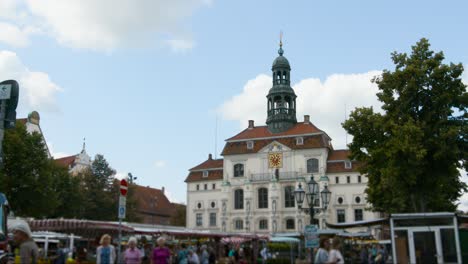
[{"x": 311, "y": 195}]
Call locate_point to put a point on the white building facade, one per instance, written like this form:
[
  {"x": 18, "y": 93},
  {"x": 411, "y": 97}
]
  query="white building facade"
[{"x": 251, "y": 190}]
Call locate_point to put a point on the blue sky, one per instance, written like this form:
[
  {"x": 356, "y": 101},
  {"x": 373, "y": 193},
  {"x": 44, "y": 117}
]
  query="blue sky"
[{"x": 145, "y": 82}]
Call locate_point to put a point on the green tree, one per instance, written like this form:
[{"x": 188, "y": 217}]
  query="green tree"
[
  {"x": 27, "y": 177},
  {"x": 178, "y": 218},
  {"x": 69, "y": 190},
  {"x": 412, "y": 151}
]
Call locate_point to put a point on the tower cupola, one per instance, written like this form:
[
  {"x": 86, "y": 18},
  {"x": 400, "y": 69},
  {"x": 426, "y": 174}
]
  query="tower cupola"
[{"x": 281, "y": 99}]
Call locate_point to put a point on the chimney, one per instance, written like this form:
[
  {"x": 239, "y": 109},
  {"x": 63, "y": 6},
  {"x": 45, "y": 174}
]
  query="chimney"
[
  {"x": 210, "y": 157},
  {"x": 251, "y": 124},
  {"x": 162, "y": 189},
  {"x": 306, "y": 119}
]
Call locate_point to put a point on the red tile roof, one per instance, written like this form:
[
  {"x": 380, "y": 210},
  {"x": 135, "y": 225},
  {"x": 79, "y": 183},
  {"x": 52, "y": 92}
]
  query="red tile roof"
[
  {"x": 210, "y": 163},
  {"x": 152, "y": 201},
  {"x": 213, "y": 175},
  {"x": 263, "y": 132},
  {"x": 66, "y": 161},
  {"x": 339, "y": 154},
  {"x": 240, "y": 147},
  {"x": 22, "y": 120},
  {"x": 339, "y": 166}
]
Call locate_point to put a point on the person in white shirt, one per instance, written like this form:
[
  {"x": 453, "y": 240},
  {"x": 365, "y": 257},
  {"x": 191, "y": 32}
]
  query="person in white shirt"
[{"x": 334, "y": 255}]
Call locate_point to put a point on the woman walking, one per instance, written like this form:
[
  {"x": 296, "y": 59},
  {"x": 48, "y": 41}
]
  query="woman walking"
[
  {"x": 161, "y": 254},
  {"x": 335, "y": 256},
  {"x": 105, "y": 253},
  {"x": 132, "y": 255}
]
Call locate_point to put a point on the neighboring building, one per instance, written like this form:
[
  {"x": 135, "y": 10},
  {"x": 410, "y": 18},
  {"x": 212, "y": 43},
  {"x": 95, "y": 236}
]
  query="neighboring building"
[
  {"x": 252, "y": 188},
  {"x": 153, "y": 207},
  {"x": 32, "y": 125},
  {"x": 76, "y": 163}
]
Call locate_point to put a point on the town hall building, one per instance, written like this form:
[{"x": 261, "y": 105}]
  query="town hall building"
[{"x": 251, "y": 189}]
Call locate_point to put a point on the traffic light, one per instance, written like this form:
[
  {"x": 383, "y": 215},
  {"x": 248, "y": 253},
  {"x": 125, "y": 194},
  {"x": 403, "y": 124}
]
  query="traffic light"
[{"x": 11, "y": 102}]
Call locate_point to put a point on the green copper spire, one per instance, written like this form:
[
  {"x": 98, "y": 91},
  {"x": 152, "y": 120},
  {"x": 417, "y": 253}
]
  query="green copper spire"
[{"x": 281, "y": 97}]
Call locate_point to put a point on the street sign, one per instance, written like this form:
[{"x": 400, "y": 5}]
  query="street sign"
[
  {"x": 122, "y": 212},
  {"x": 123, "y": 187},
  {"x": 5, "y": 91},
  {"x": 311, "y": 236}
]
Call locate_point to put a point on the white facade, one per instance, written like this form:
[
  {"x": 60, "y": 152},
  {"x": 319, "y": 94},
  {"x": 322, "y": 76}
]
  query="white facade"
[{"x": 347, "y": 198}]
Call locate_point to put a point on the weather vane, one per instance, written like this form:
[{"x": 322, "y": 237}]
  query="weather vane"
[{"x": 281, "y": 39}]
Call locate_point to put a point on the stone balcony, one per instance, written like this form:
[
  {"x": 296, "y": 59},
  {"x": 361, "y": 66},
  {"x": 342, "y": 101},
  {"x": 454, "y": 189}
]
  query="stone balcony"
[{"x": 282, "y": 176}]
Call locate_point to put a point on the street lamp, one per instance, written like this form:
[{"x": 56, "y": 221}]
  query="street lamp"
[{"x": 312, "y": 195}]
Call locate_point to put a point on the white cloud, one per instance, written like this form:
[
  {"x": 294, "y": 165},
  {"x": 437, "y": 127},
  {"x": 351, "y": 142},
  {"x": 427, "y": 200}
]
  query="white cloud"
[
  {"x": 13, "y": 35},
  {"x": 106, "y": 25},
  {"x": 324, "y": 101},
  {"x": 159, "y": 163},
  {"x": 37, "y": 91}
]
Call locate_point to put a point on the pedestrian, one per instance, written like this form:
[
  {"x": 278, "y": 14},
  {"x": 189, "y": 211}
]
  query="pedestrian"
[
  {"x": 212, "y": 256},
  {"x": 161, "y": 254},
  {"x": 105, "y": 253},
  {"x": 182, "y": 255},
  {"x": 204, "y": 255},
  {"x": 132, "y": 255},
  {"x": 193, "y": 257},
  {"x": 264, "y": 254},
  {"x": 364, "y": 255},
  {"x": 321, "y": 257},
  {"x": 62, "y": 254},
  {"x": 28, "y": 250},
  {"x": 380, "y": 258},
  {"x": 335, "y": 256}
]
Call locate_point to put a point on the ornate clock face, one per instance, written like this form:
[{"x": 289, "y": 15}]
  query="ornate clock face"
[{"x": 275, "y": 160}]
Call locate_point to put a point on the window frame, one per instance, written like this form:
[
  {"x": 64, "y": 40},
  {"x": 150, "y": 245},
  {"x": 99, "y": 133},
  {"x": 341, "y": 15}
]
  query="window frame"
[
  {"x": 199, "y": 219},
  {"x": 198, "y": 187},
  {"x": 238, "y": 201},
  {"x": 238, "y": 224},
  {"x": 205, "y": 174},
  {"x": 262, "y": 195},
  {"x": 263, "y": 224},
  {"x": 288, "y": 222},
  {"x": 348, "y": 179},
  {"x": 348, "y": 164},
  {"x": 339, "y": 213},
  {"x": 359, "y": 179},
  {"x": 299, "y": 141},
  {"x": 213, "y": 219},
  {"x": 238, "y": 170},
  {"x": 337, "y": 179},
  {"x": 289, "y": 202},
  {"x": 361, "y": 214},
  {"x": 250, "y": 144},
  {"x": 310, "y": 168}
]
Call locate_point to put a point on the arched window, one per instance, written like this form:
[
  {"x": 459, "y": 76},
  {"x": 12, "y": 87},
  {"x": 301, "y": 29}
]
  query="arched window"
[
  {"x": 312, "y": 165},
  {"x": 239, "y": 224},
  {"x": 238, "y": 170},
  {"x": 290, "y": 224},
  {"x": 284, "y": 77},
  {"x": 263, "y": 224},
  {"x": 263, "y": 198},
  {"x": 239, "y": 199},
  {"x": 289, "y": 197}
]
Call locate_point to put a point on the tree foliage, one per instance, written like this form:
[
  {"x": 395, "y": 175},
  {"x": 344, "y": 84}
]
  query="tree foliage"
[
  {"x": 178, "y": 218},
  {"x": 412, "y": 151},
  {"x": 30, "y": 179}
]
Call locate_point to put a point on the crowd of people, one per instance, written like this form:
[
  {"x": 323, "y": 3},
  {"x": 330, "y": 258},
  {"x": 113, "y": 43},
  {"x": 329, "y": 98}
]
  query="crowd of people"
[{"x": 331, "y": 253}]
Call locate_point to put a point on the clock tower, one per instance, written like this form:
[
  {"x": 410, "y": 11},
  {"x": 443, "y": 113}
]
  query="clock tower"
[{"x": 281, "y": 98}]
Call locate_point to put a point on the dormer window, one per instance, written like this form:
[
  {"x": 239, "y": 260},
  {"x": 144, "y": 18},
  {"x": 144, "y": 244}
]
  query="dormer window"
[
  {"x": 347, "y": 164},
  {"x": 250, "y": 144},
  {"x": 205, "y": 174},
  {"x": 299, "y": 141}
]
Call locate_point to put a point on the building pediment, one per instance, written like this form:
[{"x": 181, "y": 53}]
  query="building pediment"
[{"x": 274, "y": 146}]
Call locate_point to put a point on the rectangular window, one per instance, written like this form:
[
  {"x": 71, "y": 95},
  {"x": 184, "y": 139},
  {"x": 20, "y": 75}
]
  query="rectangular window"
[
  {"x": 206, "y": 186},
  {"x": 239, "y": 224},
  {"x": 250, "y": 144},
  {"x": 359, "y": 179},
  {"x": 205, "y": 174},
  {"x": 358, "y": 215},
  {"x": 347, "y": 164},
  {"x": 212, "y": 219},
  {"x": 340, "y": 216},
  {"x": 238, "y": 170},
  {"x": 199, "y": 220},
  {"x": 289, "y": 200},
  {"x": 198, "y": 187},
  {"x": 214, "y": 186},
  {"x": 348, "y": 179},
  {"x": 337, "y": 180},
  {"x": 238, "y": 199},
  {"x": 263, "y": 224},
  {"x": 300, "y": 141},
  {"x": 263, "y": 198}
]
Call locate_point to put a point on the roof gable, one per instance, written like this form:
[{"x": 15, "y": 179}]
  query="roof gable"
[
  {"x": 66, "y": 161},
  {"x": 210, "y": 163},
  {"x": 262, "y": 132}
]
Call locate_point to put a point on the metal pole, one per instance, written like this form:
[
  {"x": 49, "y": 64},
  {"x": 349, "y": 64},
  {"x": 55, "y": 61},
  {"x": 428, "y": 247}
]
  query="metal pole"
[
  {"x": 120, "y": 240},
  {"x": 312, "y": 221},
  {"x": 2, "y": 128}
]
